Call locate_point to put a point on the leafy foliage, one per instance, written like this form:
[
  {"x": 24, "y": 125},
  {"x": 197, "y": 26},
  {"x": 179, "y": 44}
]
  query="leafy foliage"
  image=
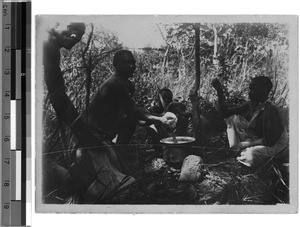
[
  {"x": 243, "y": 51},
  {"x": 234, "y": 53}
]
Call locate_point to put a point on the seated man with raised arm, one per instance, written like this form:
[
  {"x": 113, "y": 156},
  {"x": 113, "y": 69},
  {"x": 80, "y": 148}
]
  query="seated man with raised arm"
[{"x": 264, "y": 136}]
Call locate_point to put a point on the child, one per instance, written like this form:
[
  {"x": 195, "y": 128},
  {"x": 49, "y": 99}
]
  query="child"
[
  {"x": 264, "y": 136},
  {"x": 165, "y": 103}
]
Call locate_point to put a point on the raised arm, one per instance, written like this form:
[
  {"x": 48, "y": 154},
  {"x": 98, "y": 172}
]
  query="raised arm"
[
  {"x": 61, "y": 103},
  {"x": 222, "y": 105}
]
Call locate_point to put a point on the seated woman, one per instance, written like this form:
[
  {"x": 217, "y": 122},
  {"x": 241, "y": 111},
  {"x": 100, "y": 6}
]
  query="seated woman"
[{"x": 264, "y": 136}]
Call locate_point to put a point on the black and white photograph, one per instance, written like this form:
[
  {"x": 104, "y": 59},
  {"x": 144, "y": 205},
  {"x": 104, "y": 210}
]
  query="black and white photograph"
[{"x": 160, "y": 114}]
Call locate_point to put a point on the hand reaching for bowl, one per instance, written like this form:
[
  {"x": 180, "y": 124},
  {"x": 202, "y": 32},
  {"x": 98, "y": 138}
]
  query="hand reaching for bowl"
[{"x": 169, "y": 119}]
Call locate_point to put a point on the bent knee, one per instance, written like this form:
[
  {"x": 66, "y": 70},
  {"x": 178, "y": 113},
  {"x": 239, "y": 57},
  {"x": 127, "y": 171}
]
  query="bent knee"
[
  {"x": 260, "y": 155},
  {"x": 253, "y": 156},
  {"x": 263, "y": 154},
  {"x": 230, "y": 121},
  {"x": 235, "y": 120}
]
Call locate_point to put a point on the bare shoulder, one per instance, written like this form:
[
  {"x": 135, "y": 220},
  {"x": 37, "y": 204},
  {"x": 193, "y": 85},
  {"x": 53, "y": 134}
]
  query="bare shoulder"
[
  {"x": 109, "y": 87},
  {"x": 114, "y": 83}
]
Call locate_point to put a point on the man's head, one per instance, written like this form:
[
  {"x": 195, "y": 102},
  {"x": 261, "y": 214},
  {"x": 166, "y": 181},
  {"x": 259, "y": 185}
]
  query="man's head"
[
  {"x": 124, "y": 63},
  {"x": 69, "y": 37},
  {"x": 259, "y": 89}
]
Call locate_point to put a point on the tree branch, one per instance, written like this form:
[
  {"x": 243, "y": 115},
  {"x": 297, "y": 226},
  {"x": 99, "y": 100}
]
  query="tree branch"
[
  {"x": 196, "y": 121},
  {"x": 88, "y": 42},
  {"x": 162, "y": 35},
  {"x": 100, "y": 56}
]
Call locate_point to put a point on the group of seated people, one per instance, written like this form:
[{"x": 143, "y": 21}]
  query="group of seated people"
[
  {"x": 112, "y": 116},
  {"x": 255, "y": 129}
]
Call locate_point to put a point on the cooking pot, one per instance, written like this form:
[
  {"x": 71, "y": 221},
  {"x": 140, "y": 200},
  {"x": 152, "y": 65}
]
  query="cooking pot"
[{"x": 175, "y": 149}]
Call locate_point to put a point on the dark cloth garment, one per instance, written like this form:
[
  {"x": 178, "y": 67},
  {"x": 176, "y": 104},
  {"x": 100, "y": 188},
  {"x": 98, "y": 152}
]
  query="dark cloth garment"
[
  {"x": 255, "y": 156},
  {"x": 265, "y": 120},
  {"x": 267, "y": 124}
]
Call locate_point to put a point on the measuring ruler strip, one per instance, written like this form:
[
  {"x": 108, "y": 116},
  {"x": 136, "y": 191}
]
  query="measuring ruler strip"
[
  {"x": 20, "y": 99},
  {"x": 27, "y": 131},
  {"x": 6, "y": 97},
  {"x": 16, "y": 83},
  {"x": 23, "y": 124},
  {"x": 15, "y": 115},
  {"x": 28, "y": 111},
  {"x": 16, "y": 216}
]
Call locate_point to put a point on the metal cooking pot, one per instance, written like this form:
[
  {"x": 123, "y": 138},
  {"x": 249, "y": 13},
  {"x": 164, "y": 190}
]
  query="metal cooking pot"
[{"x": 176, "y": 149}]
